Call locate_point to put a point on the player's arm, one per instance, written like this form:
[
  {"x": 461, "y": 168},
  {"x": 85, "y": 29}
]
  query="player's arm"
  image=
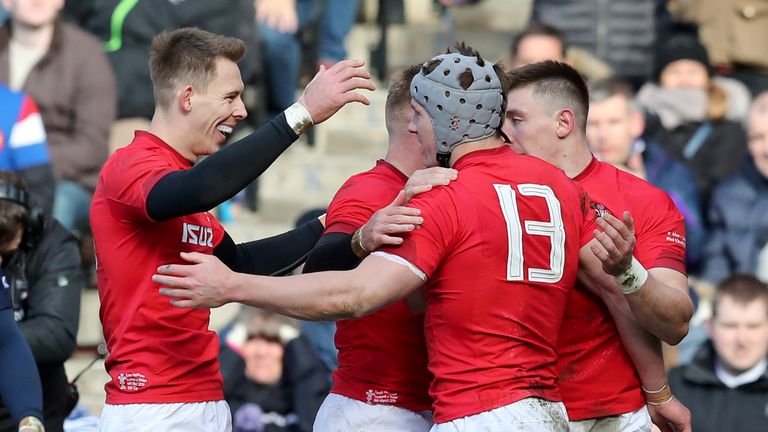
[
  {"x": 339, "y": 251},
  {"x": 643, "y": 348},
  {"x": 657, "y": 298},
  {"x": 192, "y": 191},
  {"x": 275, "y": 255},
  {"x": 207, "y": 282}
]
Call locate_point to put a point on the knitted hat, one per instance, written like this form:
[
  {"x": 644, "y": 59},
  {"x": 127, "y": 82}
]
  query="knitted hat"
[{"x": 681, "y": 46}]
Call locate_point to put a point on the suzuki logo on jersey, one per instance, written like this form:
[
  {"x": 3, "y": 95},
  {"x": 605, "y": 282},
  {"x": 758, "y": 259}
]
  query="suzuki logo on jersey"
[{"x": 197, "y": 235}]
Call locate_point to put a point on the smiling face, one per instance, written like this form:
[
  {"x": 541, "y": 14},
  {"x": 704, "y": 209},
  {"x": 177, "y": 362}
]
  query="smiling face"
[
  {"x": 214, "y": 113},
  {"x": 527, "y": 124},
  {"x": 421, "y": 124}
]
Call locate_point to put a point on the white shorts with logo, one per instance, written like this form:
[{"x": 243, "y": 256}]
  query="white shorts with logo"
[
  {"x": 183, "y": 417},
  {"x": 526, "y": 415},
  {"x": 635, "y": 421},
  {"x": 343, "y": 414}
]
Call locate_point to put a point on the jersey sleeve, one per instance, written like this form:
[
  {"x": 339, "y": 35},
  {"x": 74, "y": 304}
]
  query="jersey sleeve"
[
  {"x": 355, "y": 202},
  {"x": 130, "y": 181},
  {"x": 661, "y": 235},
  {"x": 423, "y": 249}
]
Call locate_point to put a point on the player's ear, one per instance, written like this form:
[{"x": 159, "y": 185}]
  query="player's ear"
[
  {"x": 185, "y": 98},
  {"x": 566, "y": 122}
]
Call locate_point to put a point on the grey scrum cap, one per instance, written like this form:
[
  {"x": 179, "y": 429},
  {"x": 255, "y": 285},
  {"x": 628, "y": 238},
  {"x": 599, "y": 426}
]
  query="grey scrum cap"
[{"x": 459, "y": 115}]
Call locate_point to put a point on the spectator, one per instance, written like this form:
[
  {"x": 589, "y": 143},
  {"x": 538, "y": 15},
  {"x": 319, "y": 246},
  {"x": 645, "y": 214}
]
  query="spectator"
[
  {"x": 734, "y": 33},
  {"x": 280, "y": 22},
  {"x": 128, "y": 44},
  {"x": 273, "y": 382},
  {"x": 65, "y": 72},
  {"x": 738, "y": 214},
  {"x": 615, "y": 132},
  {"x": 23, "y": 146},
  {"x": 694, "y": 117},
  {"x": 43, "y": 273},
  {"x": 539, "y": 42},
  {"x": 726, "y": 386},
  {"x": 620, "y": 32}
]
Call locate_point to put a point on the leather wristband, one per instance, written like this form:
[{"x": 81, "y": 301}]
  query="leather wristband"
[
  {"x": 298, "y": 118},
  {"x": 633, "y": 278},
  {"x": 357, "y": 244},
  {"x": 658, "y": 397}
]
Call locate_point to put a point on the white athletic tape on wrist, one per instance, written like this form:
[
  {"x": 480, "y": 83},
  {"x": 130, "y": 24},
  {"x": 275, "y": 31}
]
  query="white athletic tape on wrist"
[
  {"x": 633, "y": 278},
  {"x": 298, "y": 118}
]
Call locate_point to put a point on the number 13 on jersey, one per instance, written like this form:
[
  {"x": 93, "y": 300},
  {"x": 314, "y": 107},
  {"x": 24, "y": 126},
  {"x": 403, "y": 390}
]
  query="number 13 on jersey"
[{"x": 553, "y": 228}]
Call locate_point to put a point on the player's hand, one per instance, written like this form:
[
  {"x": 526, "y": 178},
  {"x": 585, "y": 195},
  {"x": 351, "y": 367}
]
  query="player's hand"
[
  {"x": 277, "y": 14},
  {"x": 672, "y": 416},
  {"x": 382, "y": 228},
  {"x": 424, "y": 180},
  {"x": 335, "y": 87},
  {"x": 615, "y": 245},
  {"x": 202, "y": 284}
]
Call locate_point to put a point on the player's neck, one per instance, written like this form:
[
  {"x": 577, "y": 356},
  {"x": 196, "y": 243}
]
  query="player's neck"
[
  {"x": 404, "y": 155},
  {"x": 162, "y": 127},
  {"x": 572, "y": 156},
  {"x": 483, "y": 144}
]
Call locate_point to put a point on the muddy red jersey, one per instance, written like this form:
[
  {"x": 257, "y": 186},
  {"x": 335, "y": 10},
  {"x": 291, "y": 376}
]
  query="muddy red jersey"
[
  {"x": 158, "y": 353},
  {"x": 499, "y": 250},
  {"x": 597, "y": 376},
  {"x": 383, "y": 356}
]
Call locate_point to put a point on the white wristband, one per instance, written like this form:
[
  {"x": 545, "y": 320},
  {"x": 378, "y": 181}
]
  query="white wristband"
[
  {"x": 298, "y": 118},
  {"x": 632, "y": 278}
]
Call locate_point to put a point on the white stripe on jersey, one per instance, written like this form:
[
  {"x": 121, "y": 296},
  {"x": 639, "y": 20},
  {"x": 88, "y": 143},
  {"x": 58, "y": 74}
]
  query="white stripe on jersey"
[
  {"x": 402, "y": 261},
  {"x": 28, "y": 131}
]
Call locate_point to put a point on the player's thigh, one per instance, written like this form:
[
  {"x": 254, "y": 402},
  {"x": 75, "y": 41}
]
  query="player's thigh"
[
  {"x": 527, "y": 415},
  {"x": 635, "y": 421},
  {"x": 342, "y": 414},
  {"x": 189, "y": 417}
]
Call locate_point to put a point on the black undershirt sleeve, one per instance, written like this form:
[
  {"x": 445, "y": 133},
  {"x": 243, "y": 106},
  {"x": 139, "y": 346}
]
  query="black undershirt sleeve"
[
  {"x": 221, "y": 175},
  {"x": 332, "y": 252},
  {"x": 274, "y": 256}
]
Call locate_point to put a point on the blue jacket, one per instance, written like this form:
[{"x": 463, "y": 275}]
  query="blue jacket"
[
  {"x": 738, "y": 216},
  {"x": 673, "y": 177}
]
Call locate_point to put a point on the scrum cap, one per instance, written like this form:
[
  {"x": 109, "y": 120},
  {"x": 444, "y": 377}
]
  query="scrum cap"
[{"x": 459, "y": 115}]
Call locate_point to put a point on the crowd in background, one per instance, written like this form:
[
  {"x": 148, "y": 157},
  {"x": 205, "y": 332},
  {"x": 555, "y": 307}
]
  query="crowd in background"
[{"x": 678, "y": 95}]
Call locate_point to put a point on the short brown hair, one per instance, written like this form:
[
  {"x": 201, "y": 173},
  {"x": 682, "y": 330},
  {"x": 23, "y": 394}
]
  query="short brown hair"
[
  {"x": 188, "y": 56},
  {"x": 743, "y": 289},
  {"x": 559, "y": 83},
  {"x": 13, "y": 216},
  {"x": 399, "y": 94}
]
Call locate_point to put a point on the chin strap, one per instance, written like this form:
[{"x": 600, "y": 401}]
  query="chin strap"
[{"x": 444, "y": 159}]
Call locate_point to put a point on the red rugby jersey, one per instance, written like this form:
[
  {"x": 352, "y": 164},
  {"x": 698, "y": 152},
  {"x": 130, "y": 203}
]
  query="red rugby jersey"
[
  {"x": 158, "y": 353},
  {"x": 383, "y": 356},
  {"x": 597, "y": 376},
  {"x": 499, "y": 247}
]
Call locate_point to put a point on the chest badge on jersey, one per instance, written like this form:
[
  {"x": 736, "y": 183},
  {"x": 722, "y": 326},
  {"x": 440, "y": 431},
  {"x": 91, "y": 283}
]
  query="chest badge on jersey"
[{"x": 600, "y": 209}]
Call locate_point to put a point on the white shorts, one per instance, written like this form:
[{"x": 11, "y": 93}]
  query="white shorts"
[
  {"x": 343, "y": 414},
  {"x": 635, "y": 421},
  {"x": 526, "y": 415},
  {"x": 182, "y": 417}
]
